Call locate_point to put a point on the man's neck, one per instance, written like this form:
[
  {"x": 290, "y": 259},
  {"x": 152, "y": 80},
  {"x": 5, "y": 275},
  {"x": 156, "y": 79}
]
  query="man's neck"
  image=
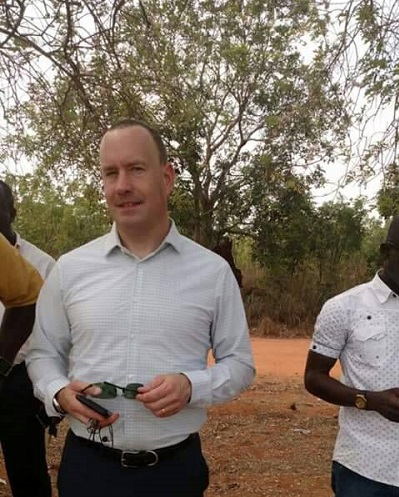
[
  {"x": 386, "y": 278},
  {"x": 144, "y": 243},
  {"x": 10, "y": 235}
]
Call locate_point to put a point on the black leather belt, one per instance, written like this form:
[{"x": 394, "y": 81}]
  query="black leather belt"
[{"x": 141, "y": 458}]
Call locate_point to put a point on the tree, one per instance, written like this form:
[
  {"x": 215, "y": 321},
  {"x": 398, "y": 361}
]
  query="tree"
[
  {"x": 388, "y": 195},
  {"x": 374, "y": 235},
  {"x": 283, "y": 214},
  {"x": 225, "y": 81},
  {"x": 364, "y": 56},
  {"x": 338, "y": 233},
  {"x": 52, "y": 218}
]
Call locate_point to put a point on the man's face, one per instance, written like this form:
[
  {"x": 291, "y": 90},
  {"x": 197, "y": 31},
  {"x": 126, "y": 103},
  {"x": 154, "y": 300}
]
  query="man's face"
[
  {"x": 136, "y": 184},
  {"x": 6, "y": 214}
]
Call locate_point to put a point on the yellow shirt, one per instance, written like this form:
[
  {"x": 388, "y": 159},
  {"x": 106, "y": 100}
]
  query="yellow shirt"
[{"x": 19, "y": 281}]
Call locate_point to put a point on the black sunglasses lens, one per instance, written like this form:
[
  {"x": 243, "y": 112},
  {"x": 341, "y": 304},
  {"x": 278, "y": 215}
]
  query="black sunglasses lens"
[
  {"x": 107, "y": 391},
  {"x": 131, "y": 390}
]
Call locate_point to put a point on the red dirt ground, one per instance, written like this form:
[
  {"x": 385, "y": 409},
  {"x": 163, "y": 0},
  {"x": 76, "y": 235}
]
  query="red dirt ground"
[{"x": 273, "y": 440}]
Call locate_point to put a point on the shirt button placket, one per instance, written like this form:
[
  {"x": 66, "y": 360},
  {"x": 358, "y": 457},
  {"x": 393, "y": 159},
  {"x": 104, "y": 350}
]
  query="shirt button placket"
[{"x": 134, "y": 328}]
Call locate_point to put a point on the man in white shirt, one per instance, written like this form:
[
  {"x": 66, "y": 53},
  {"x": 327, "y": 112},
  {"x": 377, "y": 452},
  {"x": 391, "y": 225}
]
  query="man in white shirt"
[
  {"x": 22, "y": 436},
  {"x": 140, "y": 305},
  {"x": 360, "y": 327}
]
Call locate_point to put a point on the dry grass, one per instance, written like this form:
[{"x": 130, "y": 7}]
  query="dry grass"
[{"x": 287, "y": 306}]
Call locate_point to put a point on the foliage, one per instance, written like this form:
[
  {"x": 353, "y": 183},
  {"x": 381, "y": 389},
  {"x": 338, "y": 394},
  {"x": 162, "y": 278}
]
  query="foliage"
[
  {"x": 388, "y": 195},
  {"x": 370, "y": 251},
  {"x": 225, "y": 82},
  {"x": 364, "y": 57},
  {"x": 49, "y": 219},
  {"x": 282, "y": 211},
  {"x": 296, "y": 301},
  {"x": 254, "y": 101},
  {"x": 337, "y": 232},
  {"x": 291, "y": 230},
  {"x": 334, "y": 246}
]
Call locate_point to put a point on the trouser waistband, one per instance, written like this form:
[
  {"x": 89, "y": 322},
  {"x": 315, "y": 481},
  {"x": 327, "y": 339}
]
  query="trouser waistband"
[{"x": 141, "y": 458}]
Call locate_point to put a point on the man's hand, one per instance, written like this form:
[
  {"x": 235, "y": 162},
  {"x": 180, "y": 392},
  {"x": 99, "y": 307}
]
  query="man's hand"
[
  {"x": 385, "y": 402},
  {"x": 166, "y": 395},
  {"x": 66, "y": 397}
]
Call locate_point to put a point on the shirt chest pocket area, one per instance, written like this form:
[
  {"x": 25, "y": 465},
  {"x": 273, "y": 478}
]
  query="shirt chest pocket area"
[{"x": 370, "y": 339}]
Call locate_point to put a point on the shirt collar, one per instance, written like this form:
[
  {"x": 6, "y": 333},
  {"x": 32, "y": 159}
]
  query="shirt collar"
[
  {"x": 380, "y": 289},
  {"x": 173, "y": 238},
  {"x": 17, "y": 240}
]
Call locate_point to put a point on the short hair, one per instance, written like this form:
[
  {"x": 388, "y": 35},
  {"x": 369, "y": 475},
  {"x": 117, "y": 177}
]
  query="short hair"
[
  {"x": 130, "y": 122},
  {"x": 8, "y": 195}
]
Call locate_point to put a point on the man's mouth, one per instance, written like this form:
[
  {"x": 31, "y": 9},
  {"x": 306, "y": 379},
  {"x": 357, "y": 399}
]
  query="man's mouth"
[{"x": 129, "y": 204}]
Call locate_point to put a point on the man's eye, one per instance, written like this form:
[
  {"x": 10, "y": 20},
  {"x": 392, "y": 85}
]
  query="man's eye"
[{"x": 110, "y": 173}]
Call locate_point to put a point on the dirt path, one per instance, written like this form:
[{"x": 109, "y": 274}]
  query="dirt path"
[
  {"x": 275, "y": 439},
  {"x": 284, "y": 358}
]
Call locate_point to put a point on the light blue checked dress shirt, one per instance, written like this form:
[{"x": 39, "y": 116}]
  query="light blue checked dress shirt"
[{"x": 104, "y": 314}]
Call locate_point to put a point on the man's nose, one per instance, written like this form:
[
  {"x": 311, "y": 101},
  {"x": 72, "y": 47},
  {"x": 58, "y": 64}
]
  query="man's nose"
[{"x": 124, "y": 183}]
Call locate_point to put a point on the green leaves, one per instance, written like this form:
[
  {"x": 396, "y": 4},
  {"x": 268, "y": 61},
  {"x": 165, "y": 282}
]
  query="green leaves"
[
  {"x": 224, "y": 81},
  {"x": 364, "y": 54},
  {"x": 55, "y": 219}
]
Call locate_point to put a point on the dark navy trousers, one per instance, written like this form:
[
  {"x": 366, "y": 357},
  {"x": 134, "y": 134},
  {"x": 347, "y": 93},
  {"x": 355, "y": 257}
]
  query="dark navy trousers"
[
  {"x": 88, "y": 472},
  {"x": 346, "y": 483},
  {"x": 22, "y": 437}
]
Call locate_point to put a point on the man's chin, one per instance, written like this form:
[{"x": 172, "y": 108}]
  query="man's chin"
[{"x": 125, "y": 223}]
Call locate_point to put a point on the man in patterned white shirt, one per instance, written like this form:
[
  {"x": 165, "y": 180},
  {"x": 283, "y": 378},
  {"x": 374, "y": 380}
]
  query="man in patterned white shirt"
[
  {"x": 360, "y": 327},
  {"x": 22, "y": 436},
  {"x": 144, "y": 305}
]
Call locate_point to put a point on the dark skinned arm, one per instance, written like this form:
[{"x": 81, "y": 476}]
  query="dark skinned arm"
[
  {"x": 320, "y": 383},
  {"x": 15, "y": 328}
]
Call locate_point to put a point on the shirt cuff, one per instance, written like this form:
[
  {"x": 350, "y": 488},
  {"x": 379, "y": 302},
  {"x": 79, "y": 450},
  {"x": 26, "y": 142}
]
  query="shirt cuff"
[
  {"x": 324, "y": 350},
  {"x": 201, "y": 391},
  {"x": 53, "y": 387}
]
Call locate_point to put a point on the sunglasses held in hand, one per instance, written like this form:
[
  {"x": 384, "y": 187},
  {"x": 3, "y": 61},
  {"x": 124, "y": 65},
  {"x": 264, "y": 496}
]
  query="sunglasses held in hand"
[{"x": 110, "y": 390}]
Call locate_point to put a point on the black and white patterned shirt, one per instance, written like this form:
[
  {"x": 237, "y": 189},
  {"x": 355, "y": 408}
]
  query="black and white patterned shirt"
[{"x": 361, "y": 328}]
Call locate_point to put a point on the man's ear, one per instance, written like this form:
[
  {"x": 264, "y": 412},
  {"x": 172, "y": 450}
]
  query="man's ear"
[{"x": 169, "y": 176}]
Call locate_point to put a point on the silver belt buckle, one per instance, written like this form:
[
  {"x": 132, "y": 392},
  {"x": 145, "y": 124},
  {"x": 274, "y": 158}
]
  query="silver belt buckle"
[{"x": 125, "y": 453}]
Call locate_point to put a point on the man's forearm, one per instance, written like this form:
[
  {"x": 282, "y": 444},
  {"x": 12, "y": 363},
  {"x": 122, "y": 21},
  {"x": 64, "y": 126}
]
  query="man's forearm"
[
  {"x": 330, "y": 389},
  {"x": 15, "y": 329}
]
